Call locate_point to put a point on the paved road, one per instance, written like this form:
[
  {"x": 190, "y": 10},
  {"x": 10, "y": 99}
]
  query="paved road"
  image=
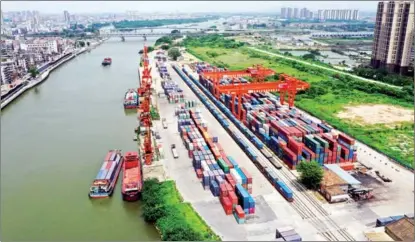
[{"x": 322, "y": 67}]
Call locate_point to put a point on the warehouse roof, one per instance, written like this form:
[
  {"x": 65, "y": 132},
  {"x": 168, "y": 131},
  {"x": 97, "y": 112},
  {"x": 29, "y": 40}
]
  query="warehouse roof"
[
  {"x": 342, "y": 174},
  {"x": 332, "y": 179},
  {"x": 402, "y": 229}
]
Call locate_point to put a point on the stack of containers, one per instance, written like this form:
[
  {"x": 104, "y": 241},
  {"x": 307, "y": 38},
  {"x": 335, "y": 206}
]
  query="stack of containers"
[
  {"x": 218, "y": 172},
  {"x": 193, "y": 83},
  {"x": 287, "y": 234}
]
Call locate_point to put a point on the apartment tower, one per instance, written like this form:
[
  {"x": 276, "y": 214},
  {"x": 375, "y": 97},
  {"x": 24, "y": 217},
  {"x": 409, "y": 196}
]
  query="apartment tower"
[{"x": 394, "y": 36}]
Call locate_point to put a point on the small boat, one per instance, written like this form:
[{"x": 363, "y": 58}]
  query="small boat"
[
  {"x": 107, "y": 61},
  {"x": 132, "y": 181},
  {"x": 104, "y": 183},
  {"x": 131, "y": 99}
]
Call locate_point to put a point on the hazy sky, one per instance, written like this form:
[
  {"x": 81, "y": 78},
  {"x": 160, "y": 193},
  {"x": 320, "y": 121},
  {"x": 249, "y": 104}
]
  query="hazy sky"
[{"x": 181, "y": 6}]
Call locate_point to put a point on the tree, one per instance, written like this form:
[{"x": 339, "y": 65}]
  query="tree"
[
  {"x": 175, "y": 31},
  {"x": 165, "y": 47},
  {"x": 33, "y": 72},
  {"x": 87, "y": 43},
  {"x": 311, "y": 174},
  {"x": 181, "y": 234},
  {"x": 81, "y": 43},
  {"x": 174, "y": 53}
]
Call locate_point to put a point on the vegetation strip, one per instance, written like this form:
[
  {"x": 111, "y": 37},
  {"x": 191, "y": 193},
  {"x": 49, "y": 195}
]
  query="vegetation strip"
[
  {"x": 330, "y": 93},
  {"x": 176, "y": 220}
]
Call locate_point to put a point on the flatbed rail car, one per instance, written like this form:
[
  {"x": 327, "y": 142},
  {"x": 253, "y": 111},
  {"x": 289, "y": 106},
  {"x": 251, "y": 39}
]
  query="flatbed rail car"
[{"x": 281, "y": 187}]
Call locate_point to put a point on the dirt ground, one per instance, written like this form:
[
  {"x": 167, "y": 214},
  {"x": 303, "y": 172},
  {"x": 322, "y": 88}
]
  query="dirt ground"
[{"x": 377, "y": 114}]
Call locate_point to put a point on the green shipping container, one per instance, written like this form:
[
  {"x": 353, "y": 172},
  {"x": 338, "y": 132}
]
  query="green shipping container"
[{"x": 223, "y": 165}]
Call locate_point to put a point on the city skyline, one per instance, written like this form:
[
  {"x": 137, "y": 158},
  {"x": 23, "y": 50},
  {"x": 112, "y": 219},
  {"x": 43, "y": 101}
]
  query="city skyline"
[{"x": 79, "y": 7}]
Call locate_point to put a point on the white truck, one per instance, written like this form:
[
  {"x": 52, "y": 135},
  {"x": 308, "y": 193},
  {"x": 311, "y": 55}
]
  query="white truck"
[
  {"x": 163, "y": 121},
  {"x": 174, "y": 151}
]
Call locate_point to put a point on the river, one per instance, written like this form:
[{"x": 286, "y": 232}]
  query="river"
[{"x": 53, "y": 142}]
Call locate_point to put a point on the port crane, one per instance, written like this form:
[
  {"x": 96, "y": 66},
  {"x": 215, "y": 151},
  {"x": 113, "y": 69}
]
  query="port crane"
[
  {"x": 144, "y": 110},
  {"x": 286, "y": 86},
  {"x": 257, "y": 72}
]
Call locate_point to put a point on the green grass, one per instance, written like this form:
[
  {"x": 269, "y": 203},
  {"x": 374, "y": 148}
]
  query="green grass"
[
  {"x": 396, "y": 143},
  {"x": 179, "y": 212}
]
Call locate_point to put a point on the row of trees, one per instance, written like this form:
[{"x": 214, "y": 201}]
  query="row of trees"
[
  {"x": 157, "y": 23},
  {"x": 383, "y": 76}
]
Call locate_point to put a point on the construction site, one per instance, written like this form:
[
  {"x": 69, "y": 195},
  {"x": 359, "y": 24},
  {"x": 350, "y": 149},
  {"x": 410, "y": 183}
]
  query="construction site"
[{"x": 232, "y": 141}]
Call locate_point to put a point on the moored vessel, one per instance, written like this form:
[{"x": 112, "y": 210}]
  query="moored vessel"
[
  {"x": 107, "y": 61},
  {"x": 132, "y": 179},
  {"x": 104, "y": 183},
  {"x": 131, "y": 99}
]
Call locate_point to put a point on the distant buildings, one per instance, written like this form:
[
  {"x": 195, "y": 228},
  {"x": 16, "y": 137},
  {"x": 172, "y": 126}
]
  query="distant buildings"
[
  {"x": 296, "y": 13},
  {"x": 67, "y": 17},
  {"x": 338, "y": 14},
  {"x": 394, "y": 36}
]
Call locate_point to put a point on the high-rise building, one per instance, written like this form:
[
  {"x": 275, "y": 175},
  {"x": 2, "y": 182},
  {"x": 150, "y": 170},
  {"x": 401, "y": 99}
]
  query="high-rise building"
[
  {"x": 338, "y": 14},
  {"x": 394, "y": 36},
  {"x": 66, "y": 16},
  {"x": 283, "y": 12},
  {"x": 355, "y": 15},
  {"x": 320, "y": 14},
  {"x": 296, "y": 13},
  {"x": 289, "y": 13}
]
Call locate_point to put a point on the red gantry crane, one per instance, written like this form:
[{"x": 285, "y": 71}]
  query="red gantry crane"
[
  {"x": 286, "y": 86},
  {"x": 144, "y": 112},
  {"x": 257, "y": 72}
]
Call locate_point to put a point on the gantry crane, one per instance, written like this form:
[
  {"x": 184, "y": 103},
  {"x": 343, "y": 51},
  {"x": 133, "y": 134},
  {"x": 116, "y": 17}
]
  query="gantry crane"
[
  {"x": 257, "y": 72},
  {"x": 286, "y": 86},
  {"x": 144, "y": 111}
]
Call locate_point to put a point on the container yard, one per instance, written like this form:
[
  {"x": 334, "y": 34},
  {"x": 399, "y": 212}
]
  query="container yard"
[
  {"x": 217, "y": 171},
  {"x": 264, "y": 137}
]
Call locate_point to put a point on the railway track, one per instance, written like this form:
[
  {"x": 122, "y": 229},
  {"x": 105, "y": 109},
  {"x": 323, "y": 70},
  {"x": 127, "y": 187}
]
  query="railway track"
[{"x": 302, "y": 200}]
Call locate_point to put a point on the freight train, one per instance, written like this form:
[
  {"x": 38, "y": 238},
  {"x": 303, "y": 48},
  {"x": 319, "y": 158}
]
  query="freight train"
[{"x": 281, "y": 187}]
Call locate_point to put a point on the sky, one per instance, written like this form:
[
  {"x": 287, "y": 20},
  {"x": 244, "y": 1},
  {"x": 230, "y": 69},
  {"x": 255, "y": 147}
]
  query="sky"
[{"x": 179, "y": 6}]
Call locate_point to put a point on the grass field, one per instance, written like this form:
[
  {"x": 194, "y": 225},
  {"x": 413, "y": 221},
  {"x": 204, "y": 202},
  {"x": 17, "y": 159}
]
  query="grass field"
[{"x": 395, "y": 140}]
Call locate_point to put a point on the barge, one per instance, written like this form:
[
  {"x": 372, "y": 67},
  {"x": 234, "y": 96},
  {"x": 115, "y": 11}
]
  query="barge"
[
  {"x": 132, "y": 181},
  {"x": 104, "y": 183},
  {"x": 131, "y": 99}
]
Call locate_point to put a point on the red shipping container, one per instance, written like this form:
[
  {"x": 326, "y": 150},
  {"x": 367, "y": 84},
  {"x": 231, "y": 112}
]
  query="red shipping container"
[
  {"x": 247, "y": 174},
  {"x": 288, "y": 152},
  {"x": 199, "y": 173},
  {"x": 190, "y": 152},
  {"x": 346, "y": 139},
  {"x": 348, "y": 166},
  {"x": 239, "y": 211},
  {"x": 223, "y": 190},
  {"x": 108, "y": 157},
  {"x": 228, "y": 187},
  {"x": 233, "y": 198}
]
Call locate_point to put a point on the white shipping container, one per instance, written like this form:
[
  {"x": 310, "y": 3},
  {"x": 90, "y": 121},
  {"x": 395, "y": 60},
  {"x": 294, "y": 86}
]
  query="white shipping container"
[
  {"x": 191, "y": 146},
  {"x": 261, "y": 130},
  {"x": 266, "y": 129},
  {"x": 236, "y": 177}
]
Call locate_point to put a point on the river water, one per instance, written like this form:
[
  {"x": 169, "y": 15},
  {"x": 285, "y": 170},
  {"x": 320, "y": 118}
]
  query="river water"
[{"x": 53, "y": 141}]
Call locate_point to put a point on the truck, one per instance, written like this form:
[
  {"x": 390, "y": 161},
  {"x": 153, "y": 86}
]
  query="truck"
[
  {"x": 163, "y": 121},
  {"x": 174, "y": 151}
]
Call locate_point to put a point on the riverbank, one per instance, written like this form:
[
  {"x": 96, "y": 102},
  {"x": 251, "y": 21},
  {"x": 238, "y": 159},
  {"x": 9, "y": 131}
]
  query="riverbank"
[
  {"x": 45, "y": 74},
  {"x": 174, "y": 219}
]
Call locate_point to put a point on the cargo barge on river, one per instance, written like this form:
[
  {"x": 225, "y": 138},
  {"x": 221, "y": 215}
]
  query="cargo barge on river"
[
  {"x": 104, "y": 183},
  {"x": 132, "y": 181}
]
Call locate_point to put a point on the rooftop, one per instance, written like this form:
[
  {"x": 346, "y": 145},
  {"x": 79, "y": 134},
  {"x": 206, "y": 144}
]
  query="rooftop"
[
  {"x": 402, "y": 230},
  {"x": 332, "y": 179},
  {"x": 342, "y": 174}
]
